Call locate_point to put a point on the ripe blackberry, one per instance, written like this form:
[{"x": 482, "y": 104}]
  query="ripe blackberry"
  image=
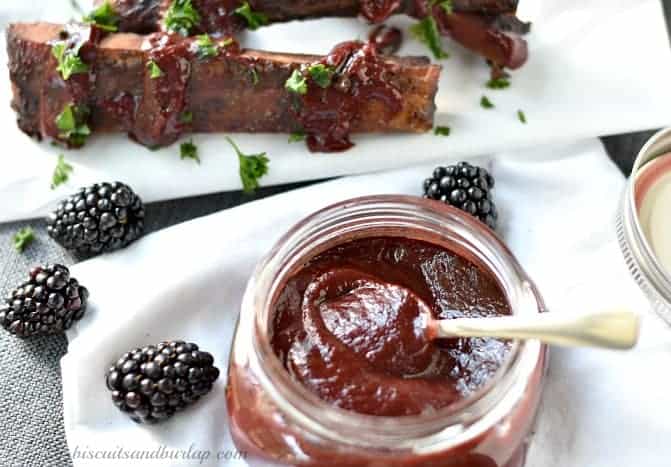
[
  {"x": 466, "y": 187},
  {"x": 152, "y": 383},
  {"x": 48, "y": 303},
  {"x": 100, "y": 218}
]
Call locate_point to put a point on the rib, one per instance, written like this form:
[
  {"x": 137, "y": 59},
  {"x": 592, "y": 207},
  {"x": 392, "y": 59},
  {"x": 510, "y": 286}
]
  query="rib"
[
  {"x": 219, "y": 92},
  {"x": 486, "y": 27},
  {"x": 483, "y": 35},
  {"x": 143, "y": 16}
]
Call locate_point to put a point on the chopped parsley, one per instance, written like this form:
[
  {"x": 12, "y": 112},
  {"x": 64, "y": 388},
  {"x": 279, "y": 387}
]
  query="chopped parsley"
[
  {"x": 254, "y": 20},
  {"x": 321, "y": 74},
  {"x": 207, "y": 48},
  {"x": 104, "y": 17},
  {"x": 71, "y": 123},
  {"x": 296, "y": 83},
  {"x": 522, "y": 117},
  {"x": 442, "y": 131},
  {"x": 252, "y": 167},
  {"x": 447, "y": 6},
  {"x": 186, "y": 117},
  {"x": 61, "y": 172},
  {"x": 255, "y": 76},
  {"x": 485, "y": 103},
  {"x": 23, "y": 238},
  {"x": 426, "y": 31},
  {"x": 189, "y": 150},
  {"x": 498, "y": 83},
  {"x": 69, "y": 62},
  {"x": 154, "y": 70},
  {"x": 181, "y": 17},
  {"x": 296, "y": 137}
]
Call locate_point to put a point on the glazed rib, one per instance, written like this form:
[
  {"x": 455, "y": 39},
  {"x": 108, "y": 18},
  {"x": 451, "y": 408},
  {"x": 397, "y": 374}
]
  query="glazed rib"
[
  {"x": 219, "y": 93},
  {"x": 486, "y": 27},
  {"x": 143, "y": 16}
]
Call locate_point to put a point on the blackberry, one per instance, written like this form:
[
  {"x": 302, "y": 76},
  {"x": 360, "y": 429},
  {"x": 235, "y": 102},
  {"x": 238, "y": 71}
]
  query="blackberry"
[
  {"x": 48, "y": 303},
  {"x": 100, "y": 218},
  {"x": 153, "y": 383},
  {"x": 466, "y": 187}
]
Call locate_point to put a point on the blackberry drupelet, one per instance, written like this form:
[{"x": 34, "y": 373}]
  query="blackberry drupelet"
[
  {"x": 466, "y": 187},
  {"x": 100, "y": 218},
  {"x": 153, "y": 383},
  {"x": 48, "y": 303}
]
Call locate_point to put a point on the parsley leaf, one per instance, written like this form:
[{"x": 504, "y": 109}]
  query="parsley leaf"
[
  {"x": 252, "y": 167},
  {"x": 181, "y": 17},
  {"x": 23, "y": 238},
  {"x": 186, "y": 117},
  {"x": 296, "y": 83},
  {"x": 189, "y": 150},
  {"x": 69, "y": 62},
  {"x": 104, "y": 17},
  {"x": 207, "y": 48},
  {"x": 447, "y": 6},
  {"x": 485, "y": 103},
  {"x": 154, "y": 70},
  {"x": 321, "y": 74},
  {"x": 71, "y": 123},
  {"x": 498, "y": 83},
  {"x": 442, "y": 131},
  {"x": 61, "y": 172},
  {"x": 522, "y": 117},
  {"x": 296, "y": 137},
  {"x": 426, "y": 31},
  {"x": 255, "y": 76},
  {"x": 254, "y": 20}
]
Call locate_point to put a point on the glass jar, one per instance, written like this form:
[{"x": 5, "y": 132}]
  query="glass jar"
[
  {"x": 273, "y": 417},
  {"x": 647, "y": 270}
]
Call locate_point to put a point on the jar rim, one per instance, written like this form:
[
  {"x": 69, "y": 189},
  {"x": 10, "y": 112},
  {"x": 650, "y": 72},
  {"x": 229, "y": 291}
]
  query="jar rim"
[
  {"x": 450, "y": 422},
  {"x": 638, "y": 253}
]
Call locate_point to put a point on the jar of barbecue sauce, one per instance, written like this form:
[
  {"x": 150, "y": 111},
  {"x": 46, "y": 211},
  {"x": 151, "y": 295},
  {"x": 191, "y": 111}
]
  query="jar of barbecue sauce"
[{"x": 326, "y": 368}]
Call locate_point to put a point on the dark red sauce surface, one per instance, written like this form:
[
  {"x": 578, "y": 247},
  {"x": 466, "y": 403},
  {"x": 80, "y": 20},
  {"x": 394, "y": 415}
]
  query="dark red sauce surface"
[
  {"x": 171, "y": 53},
  {"x": 218, "y": 16},
  {"x": 76, "y": 90},
  {"x": 377, "y": 11},
  {"x": 349, "y": 326},
  {"x": 386, "y": 39},
  {"x": 165, "y": 96},
  {"x": 327, "y": 114},
  {"x": 475, "y": 29}
]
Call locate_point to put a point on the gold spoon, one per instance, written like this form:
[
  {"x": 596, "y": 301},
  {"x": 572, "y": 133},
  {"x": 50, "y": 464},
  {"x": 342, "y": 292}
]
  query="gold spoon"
[{"x": 613, "y": 329}]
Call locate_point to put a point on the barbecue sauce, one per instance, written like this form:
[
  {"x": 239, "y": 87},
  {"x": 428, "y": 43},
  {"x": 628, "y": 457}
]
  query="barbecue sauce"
[
  {"x": 81, "y": 40},
  {"x": 345, "y": 326},
  {"x": 218, "y": 16},
  {"x": 377, "y": 11},
  {"x": 492, "y": 36},
  {"x": 165, "y": 96},
  {"x": 327, "y": 114},
  {"x": 387, "y": 40}
]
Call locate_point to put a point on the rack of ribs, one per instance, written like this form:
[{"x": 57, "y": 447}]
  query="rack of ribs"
[
  {"x": 157, "y": 86},
  {"x": 487, "y": 27}
]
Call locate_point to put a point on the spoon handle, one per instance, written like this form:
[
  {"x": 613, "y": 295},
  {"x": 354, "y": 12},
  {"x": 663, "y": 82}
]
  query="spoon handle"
[{"x": 613, "y": 329}]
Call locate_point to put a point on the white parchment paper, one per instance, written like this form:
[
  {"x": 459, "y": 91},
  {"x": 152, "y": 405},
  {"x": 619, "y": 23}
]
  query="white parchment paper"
[
  {"x": 596, "y": 67},
  {"x": 600, "y": 408}
]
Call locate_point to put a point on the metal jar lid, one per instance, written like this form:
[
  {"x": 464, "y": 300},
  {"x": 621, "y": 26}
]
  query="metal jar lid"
[{"x": 645, "y": 267}]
